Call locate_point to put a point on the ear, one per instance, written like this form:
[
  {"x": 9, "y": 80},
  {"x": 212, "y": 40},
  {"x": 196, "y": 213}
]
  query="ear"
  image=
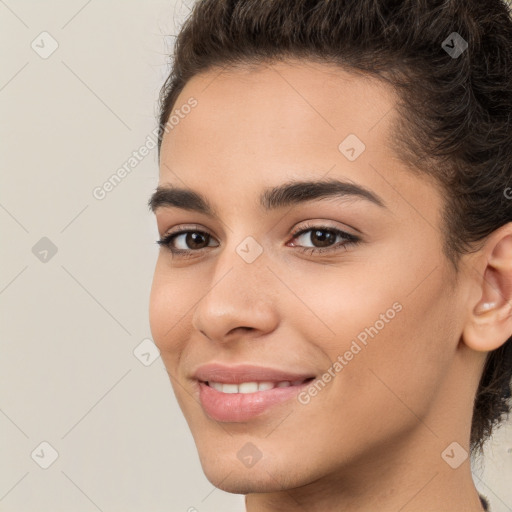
[{"x": 489, "y": 324}]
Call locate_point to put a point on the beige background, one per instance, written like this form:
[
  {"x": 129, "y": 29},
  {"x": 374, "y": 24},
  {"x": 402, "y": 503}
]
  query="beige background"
[{"x": 72, "y": 323}]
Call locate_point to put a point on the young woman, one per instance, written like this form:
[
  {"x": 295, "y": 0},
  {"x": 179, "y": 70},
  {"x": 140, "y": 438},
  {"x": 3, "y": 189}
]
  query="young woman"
[{"x": 333, "y": 295}]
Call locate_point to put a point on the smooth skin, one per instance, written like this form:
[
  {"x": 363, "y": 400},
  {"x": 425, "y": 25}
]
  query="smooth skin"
[{"x": 372, "y": 439}]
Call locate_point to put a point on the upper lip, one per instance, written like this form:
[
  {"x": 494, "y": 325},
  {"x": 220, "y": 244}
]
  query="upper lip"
[{"x": 224, "y": 374}]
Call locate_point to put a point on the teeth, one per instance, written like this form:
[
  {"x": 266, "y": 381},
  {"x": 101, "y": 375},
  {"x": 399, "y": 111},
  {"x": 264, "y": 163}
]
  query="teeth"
[
  {"x": 248, "y": 387},
  {"x": 252, "y": 387},
  {"x": 216, "y": 385},
  {"x": 263, "y": 386},
  {"x": 229, "y": 388}
]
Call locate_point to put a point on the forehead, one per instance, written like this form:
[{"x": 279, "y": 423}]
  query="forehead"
[
  {"x": 281, "y": 107},
  {"x": 259, "y": 126}
]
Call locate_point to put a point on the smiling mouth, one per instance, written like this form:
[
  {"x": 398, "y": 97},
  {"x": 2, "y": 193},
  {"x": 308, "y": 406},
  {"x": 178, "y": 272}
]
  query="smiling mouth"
[
  {"x": 254, "y": 387},
  {"x": 245, "y": 401}
]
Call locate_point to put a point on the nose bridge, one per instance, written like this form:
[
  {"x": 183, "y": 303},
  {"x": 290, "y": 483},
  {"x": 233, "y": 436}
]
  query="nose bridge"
[
  {"x": 239, "y": 292},
  {"x": 243, "y": 264}
]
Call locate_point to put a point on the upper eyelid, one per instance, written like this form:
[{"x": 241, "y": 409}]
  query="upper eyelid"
[
  {"x": 311, "y": 225},
  {"x": 320, "y": 225},
  {"x": 356, "y": 232},
  {"x": 180, "y": 229}
]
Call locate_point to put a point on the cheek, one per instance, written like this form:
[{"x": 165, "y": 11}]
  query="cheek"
[
  {"x": 169, "y": 307},
  {"x": 391, "y": 323},
  {"x": 400, "y": 285}
]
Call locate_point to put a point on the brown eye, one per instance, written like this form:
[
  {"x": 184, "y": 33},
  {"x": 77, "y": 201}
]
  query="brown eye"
[
  {"x": 196, "y": 239},
  {"x": 189, "y": 240},
  {"x": 323, "y": 239}
]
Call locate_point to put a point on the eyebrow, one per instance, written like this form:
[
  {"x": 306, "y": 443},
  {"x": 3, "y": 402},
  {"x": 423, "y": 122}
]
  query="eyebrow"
[{"x": 272, "y": 198}]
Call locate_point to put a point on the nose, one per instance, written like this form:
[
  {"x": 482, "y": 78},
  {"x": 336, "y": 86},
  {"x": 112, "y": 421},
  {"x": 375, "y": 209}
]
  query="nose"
[{"x": 241, "y": 298}]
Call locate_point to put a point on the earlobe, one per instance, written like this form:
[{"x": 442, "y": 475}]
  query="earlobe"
[{"x": 490, "y": 319}]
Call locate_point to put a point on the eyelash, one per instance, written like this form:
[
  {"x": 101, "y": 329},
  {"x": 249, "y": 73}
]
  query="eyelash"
[{"x": 349, "y": 240}]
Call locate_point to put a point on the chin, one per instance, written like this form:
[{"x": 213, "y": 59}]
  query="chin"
[
  {"x": 226, "y": 472},
  {"x": 240, "y": 480},
  {"x": 238, "y": 484}
]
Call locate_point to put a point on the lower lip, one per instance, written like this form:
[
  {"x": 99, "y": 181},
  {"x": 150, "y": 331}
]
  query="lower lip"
[{"x": 237, "y": 407}]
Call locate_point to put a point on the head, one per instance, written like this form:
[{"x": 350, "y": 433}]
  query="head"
[{"x": 414, "y": 305}]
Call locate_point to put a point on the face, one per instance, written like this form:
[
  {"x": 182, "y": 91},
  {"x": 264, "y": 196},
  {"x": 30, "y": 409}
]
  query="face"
[{"x": 341, "y": 294}]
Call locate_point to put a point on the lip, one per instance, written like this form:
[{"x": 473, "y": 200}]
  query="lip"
[
  {"x": 245, "y": 373},
  {"x": 241, "y": 407}
]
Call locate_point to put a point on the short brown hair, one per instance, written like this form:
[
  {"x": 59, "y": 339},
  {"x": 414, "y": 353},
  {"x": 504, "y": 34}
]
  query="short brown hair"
[{"x": 455, "y": 121}]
